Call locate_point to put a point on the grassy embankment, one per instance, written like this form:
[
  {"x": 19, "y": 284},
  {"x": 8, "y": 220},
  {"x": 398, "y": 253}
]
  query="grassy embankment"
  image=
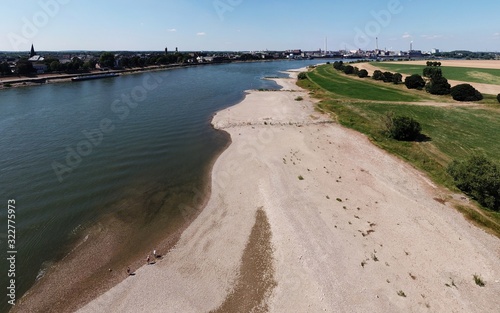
[{"x": 454, "y": 132}]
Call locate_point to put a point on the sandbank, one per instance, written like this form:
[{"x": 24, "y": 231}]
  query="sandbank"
[{"x": 353, "y": 229}]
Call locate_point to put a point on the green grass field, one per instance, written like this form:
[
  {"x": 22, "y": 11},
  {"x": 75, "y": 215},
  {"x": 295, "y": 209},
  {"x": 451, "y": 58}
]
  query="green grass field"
[
  {"x": 362, "y": 89},
  {"x": 473, "y": 75},
  {"x": 453, "y": 132}
]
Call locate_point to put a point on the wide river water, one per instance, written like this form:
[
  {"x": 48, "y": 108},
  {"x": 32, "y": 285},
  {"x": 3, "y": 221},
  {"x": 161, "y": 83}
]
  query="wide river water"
[{"x": 72, "y": 152}]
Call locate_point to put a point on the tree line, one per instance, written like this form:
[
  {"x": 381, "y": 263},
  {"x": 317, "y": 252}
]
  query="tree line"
[{"x": 105, "y": 60}]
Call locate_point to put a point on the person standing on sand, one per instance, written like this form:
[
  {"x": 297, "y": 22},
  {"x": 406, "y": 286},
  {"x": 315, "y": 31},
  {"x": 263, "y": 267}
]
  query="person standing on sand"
[
  {"x": 154, "y": 253},
  {"x": 148, "y": 259},
  {"x": 128, "y": 270}
]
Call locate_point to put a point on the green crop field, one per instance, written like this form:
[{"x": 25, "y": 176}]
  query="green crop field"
[
  {"x": 473, "y": 75},
  {"x": 452, "y": 132}
]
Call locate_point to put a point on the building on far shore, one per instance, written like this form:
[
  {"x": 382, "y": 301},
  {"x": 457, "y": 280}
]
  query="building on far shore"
[{"x": 37, "y": 61}]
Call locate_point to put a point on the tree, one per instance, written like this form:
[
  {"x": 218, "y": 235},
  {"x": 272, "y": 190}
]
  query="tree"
[
  {"x": 125, "y": 62},
  {"x": 362, "y": 73},
  {"x": 348, "y": 69},
  {"x": 49, "y": 61},
  {"x": 162, "y": 60},
  {"x": 432, "y": 72},
  {"x": 465, "y": 92},
  {"x": 402, "y": 128},
  {"x": 74, "y": 65},
  {"x": 302, "y": 75},
  {"x": 5, "y": 69},
  {"x": 54, "y": 66},
  {"x": 478, "y": 177},
  {"x": 414, "y": 81},
  {"x": 498, "y": 98},
  {"x": 107, "y": 59},
  {"x": 152, "y": 60},
  {"x": 90, "y": 64},
  {"x": 430, "y": 63},
  {"x": 338, "y": 65},
  {"x": 378, "y": 75},
  {"x": 24, "y": 67},
  {"x": 438, "y": 86},
  {"x": 397, "y": 78},
  {"x": 388, "y": 76}
]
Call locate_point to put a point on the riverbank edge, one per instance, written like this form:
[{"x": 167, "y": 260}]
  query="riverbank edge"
[
  {"x": 7, "y": 83},
  {"x": 42, "y": 294}
]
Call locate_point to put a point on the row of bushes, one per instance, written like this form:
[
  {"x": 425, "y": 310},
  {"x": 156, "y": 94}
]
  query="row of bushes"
[
  {"x": 349, "y": 69},
  {"x": 437, "y": 84},
  {"x": 388, "y": 77}
]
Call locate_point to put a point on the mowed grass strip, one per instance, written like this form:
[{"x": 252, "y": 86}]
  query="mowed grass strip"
[
  {"x": 473, "y": 75},
  {"x": 336, "y": 82}
]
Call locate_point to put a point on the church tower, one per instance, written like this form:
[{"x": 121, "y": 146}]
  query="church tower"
[{"x": 32, "y": 53}]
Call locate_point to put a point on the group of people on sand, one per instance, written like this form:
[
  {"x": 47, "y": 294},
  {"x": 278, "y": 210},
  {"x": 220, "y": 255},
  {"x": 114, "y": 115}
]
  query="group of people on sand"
[{"x": 149, "y": 261}]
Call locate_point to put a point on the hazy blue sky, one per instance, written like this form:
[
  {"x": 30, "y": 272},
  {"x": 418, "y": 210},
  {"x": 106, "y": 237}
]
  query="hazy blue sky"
[{"x": 249, "y": 24}]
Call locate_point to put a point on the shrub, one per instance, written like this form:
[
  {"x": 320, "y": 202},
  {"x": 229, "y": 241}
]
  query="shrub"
[
  {"x": 299, "y": 98},
  {"x": 348, "y": 69},
  {"x": 465, "y": 92},
  {"x": 432, "y": 72},
  {"x": 438, "y": 86},
  {"x": 378, "y": 75},
  {"x": 478, "y": 280},
  {"x": 414, "y": 81},
  {"x": 498, "y": 98},
  {"x": 338, "y": 65},
  {"x": 479, "y": 178},
  {"x": 430, "y": 63},
  {"x": 397, "y": 78},
  {"x": 364, "y": 73},
  {"x": 402, "y": 128},
  {"x": 388, "y": 77},
  {"x": 302, "y": 75}
]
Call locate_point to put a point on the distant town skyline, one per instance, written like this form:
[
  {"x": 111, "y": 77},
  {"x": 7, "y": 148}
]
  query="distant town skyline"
[{"x": 243, "y": 25}]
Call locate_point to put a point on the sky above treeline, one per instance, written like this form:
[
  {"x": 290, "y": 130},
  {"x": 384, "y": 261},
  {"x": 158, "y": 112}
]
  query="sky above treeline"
[{"x": 249, "y": 25}]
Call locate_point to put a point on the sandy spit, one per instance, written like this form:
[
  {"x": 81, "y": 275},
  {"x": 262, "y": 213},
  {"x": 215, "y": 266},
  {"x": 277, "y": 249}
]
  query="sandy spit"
[{"x": 352, "y": 228}]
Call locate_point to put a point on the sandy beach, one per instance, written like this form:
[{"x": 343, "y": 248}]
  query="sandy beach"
[{"x": 307, "y": 216}]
